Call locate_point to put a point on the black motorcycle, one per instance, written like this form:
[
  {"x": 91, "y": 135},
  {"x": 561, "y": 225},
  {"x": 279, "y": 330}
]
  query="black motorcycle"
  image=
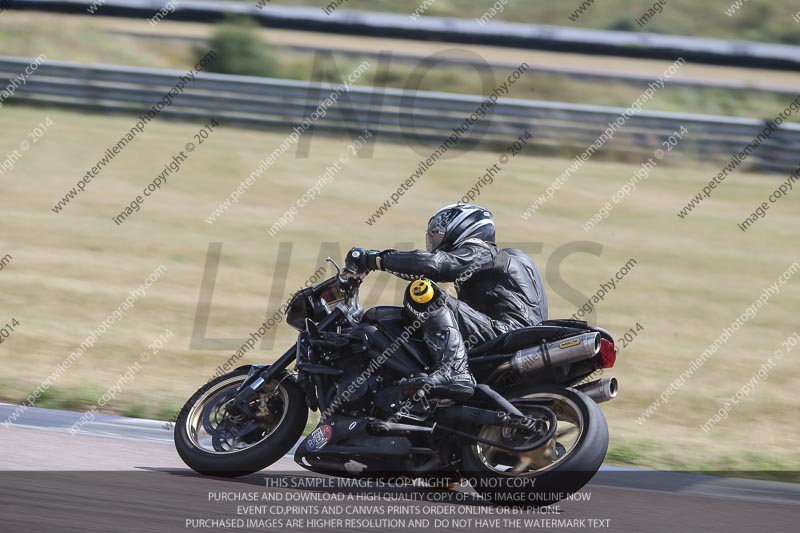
[{"x": 532, "y": 433}]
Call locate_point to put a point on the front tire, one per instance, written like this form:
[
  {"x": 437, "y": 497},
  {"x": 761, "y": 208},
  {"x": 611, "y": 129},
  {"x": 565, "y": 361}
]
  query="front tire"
[
  {"x": 210, "y": 454},
  {"x": 552, "y": 472}
]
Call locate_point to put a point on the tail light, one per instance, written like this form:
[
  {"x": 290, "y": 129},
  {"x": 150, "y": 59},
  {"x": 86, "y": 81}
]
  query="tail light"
[{"x": 607, "y": 355}]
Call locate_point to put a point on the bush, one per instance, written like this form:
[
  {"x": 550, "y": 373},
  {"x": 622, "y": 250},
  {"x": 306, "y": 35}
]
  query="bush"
[{"x": 240, "y": 51}]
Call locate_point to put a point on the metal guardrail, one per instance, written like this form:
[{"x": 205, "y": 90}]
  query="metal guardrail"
[
  {"x": 418, "y": 117},
  {"x": 455, "y": 30}
]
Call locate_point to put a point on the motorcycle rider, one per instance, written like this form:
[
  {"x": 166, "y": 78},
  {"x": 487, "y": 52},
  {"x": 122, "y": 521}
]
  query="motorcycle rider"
[{"x": 499, "y": 289}]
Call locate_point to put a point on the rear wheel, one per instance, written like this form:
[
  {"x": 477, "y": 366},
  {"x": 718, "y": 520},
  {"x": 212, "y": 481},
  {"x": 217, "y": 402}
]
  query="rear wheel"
[
  {"x": 550, "y": 473},
  {"x": 213, "y": 441}
]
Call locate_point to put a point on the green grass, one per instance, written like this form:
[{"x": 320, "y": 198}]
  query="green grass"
[
  {"x": 654, "y": 455},
  {"x": 72, "y": 399},
  {"x": 694, "y": 277}
]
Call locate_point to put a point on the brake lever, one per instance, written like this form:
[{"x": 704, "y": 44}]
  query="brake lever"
[{"x": 335, "y": 265}]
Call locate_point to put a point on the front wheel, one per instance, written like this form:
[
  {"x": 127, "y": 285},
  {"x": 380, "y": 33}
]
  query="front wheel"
[
  {"x": 550, "y": 473},
  {"x": 215, "y": 442}
]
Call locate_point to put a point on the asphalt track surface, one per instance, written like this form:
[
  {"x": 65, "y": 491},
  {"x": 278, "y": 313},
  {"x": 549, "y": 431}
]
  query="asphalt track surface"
[{"x": 123, "y": 475}]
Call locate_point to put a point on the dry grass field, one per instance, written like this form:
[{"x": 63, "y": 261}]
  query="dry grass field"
[{"x": 70, "y": 270}]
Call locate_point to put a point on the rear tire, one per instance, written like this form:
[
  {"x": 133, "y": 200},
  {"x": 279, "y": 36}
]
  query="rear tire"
[
  {"x": 552, "y": 483},
  {"x": 259, "y": 455}
]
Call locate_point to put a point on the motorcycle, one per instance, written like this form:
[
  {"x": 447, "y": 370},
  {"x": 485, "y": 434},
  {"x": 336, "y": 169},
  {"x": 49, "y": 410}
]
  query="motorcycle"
[{"x": 531, "y": 434}]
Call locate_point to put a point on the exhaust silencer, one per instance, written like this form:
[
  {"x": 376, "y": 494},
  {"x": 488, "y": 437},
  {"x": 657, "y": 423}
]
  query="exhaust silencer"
[
  {"x": 567, "y": 350},
  {"x": 601, "y": 390}
]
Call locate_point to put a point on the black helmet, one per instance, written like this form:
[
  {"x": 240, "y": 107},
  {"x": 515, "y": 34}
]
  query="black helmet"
[{"x": 455, "y": 223}]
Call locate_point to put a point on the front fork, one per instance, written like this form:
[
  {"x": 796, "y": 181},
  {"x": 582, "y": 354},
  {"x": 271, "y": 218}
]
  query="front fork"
[
  {"x": 259, "y": 375},
  {"x": 251, "y": 387}
]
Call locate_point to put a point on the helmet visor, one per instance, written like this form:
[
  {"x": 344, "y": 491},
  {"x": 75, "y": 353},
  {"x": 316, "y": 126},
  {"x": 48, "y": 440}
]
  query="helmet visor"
[{"x": 433, "y": 239}]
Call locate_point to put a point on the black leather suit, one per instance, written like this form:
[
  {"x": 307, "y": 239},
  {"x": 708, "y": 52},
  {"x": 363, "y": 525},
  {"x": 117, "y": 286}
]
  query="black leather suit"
[{"x": 498, "y": 289}]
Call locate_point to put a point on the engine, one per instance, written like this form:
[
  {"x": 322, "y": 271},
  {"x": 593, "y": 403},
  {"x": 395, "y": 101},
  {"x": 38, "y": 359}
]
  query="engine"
[
  {"x": 354, "y": 377},
  {"x": 357, "y": 374}
]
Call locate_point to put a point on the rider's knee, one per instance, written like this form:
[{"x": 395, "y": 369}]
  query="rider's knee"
[{"x": 422, "y": 298}]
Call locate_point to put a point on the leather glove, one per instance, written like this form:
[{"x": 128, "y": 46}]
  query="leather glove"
[{"x": 362, "y": 260}]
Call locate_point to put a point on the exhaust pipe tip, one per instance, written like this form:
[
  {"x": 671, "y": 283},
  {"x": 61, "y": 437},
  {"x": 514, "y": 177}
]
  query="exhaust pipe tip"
[
  {"x": 613, "y": 387},
  {"x": 601, "y": 390}
]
